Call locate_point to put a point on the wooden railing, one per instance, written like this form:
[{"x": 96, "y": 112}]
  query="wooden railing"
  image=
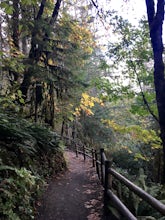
[{"x": 106, "y": 174}]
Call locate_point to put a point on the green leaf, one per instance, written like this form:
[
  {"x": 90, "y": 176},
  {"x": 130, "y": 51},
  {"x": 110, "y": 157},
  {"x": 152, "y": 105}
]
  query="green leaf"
[
  {"x": 114, "y": 212},
  {"x": 22, "y": 101},
  {"x": 8, "y": 8}
]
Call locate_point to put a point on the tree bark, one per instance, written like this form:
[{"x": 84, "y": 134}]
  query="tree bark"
[
  {"x": 55, "y": 12},
  {"x": 15, "y": 24},
  {"x": 155, "y": 20},
  {"x": 36, "y": 50},
  {"x": 41, "y": 10}
]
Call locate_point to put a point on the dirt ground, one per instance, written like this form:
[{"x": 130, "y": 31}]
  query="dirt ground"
[{"x": 74, "y": 195}]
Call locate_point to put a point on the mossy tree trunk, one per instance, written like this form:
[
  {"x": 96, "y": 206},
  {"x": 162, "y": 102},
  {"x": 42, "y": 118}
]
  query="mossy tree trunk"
[{"x": 36, "y": 47}]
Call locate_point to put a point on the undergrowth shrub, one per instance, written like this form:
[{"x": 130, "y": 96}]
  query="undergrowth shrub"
[
  {"x": 19, "y": 190},
  {"x": 29, "y": 154}
]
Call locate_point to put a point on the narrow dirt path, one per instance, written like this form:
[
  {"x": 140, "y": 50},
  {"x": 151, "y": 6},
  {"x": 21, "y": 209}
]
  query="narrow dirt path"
[{"x": 73, "y": 195}]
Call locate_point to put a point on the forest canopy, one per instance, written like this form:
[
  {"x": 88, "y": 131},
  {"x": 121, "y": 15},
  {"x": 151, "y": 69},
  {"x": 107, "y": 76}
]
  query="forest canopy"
[{"x": 79, "y": 69}]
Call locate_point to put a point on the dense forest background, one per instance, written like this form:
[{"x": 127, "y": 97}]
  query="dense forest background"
[{"x": 60, "y": 77}]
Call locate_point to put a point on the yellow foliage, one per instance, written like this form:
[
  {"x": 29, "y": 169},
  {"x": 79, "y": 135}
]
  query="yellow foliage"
[
  {"x": 50, "y": 62},
  {"x": 155, "y": 146},
  {"x": 140, "y": 156},
  {"x": 87, "y": 102},
  {"x": 82, "y": 37},
  {"x": 127, "y": 149},
  {"x": 137, "y": 133}
]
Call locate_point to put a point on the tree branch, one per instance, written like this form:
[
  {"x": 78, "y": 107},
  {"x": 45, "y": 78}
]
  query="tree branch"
[
  {"x": 142, "y": 93},
  {"x": 41, "y": 9},
  {"x": 96, "y": 6},
  {"x": 155, "y": 18},
  {"x": 55, "y": 12}
]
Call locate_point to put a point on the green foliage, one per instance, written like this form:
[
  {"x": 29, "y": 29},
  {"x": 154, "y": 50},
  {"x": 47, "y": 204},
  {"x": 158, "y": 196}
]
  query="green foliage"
[
  {"x": 12, "y": 101},
  {"x": 110, "y": 91},
  {"x": 19, "y": 190},
  {"x": 138, "y": 106},
  {"x": 7, "y": 7},
  {"x": 29, "y": 153},
  {"x": 29, "y": 142},
  {"x": 14, "y": 64},
  {"x": 137, "y": 206},
  {"x": 58, "y": 61},
  {"x": 93, "y": 131},
  {"x": 122, "y": 158},
  {"x": 29, "y": 2},
  {"x": 131, "y": 62},
  {"x": 135, "y": 148}
]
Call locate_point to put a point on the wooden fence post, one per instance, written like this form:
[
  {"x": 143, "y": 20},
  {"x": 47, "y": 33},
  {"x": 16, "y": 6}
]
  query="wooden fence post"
[
  {"x": 84, "y": 153},
  {"x": 93, "y": 157},
  {"x": 102, "y": 171},
  {"x": 97, "y": 165},
  {"x": 106, "y": 186}
]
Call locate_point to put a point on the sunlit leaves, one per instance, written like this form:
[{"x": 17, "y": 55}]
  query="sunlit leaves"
[
  {"x": 83, "y": 37},
  {"x": 79, "y": 36},
  {"x": 140, "y": 156},
  {"x": 86, "y": 104},
  {"x": 137, "y": 133},
  {"x": 110, "y": 90},
  {"x": 29, "y": 2},
  {"x": 131, "y": 54},
  {"x": 7, "y": 7},
  {"x": 13, "y": 60}
]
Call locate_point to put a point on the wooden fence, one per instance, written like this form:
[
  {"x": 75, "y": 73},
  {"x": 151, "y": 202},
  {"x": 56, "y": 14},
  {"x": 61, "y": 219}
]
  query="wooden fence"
[{"x": 106, "y": 174}]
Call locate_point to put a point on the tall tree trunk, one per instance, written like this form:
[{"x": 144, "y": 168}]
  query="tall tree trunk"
[
  {"x": 36, "y": 50},
  {"x": 155, "y": 20},
  {"x": 15, "y": 23},
  {"x": 55, "y": 12},
  {"x": 1, "y": 48},
  {"x": 15, "y": 34},
  {"x": 24, "y": 38}
]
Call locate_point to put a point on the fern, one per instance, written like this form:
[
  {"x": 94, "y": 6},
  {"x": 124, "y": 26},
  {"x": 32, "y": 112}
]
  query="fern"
[{"x": 28, "y": 154}]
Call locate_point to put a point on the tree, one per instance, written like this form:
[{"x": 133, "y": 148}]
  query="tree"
[
  {"x": 39, "y": 37},
  {"x": 155, "y": 21},
  {"x": 130, "y": 67}
]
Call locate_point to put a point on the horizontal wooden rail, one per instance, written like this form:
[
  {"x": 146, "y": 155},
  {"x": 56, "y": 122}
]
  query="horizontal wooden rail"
[
  {"x": 109, "y": 195},
  {"x": 105, "y": 174},
  {"x": 98, "y": 162},
  {"x": 140, "y": 192},
  {"x": 160, "y": 207},
  {"x": 120, "y": 206},
  {"x": 86, "y": 154}
]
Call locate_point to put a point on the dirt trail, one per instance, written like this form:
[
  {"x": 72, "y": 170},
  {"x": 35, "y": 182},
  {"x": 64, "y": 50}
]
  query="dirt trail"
[{"x": 74, "y": 195}]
